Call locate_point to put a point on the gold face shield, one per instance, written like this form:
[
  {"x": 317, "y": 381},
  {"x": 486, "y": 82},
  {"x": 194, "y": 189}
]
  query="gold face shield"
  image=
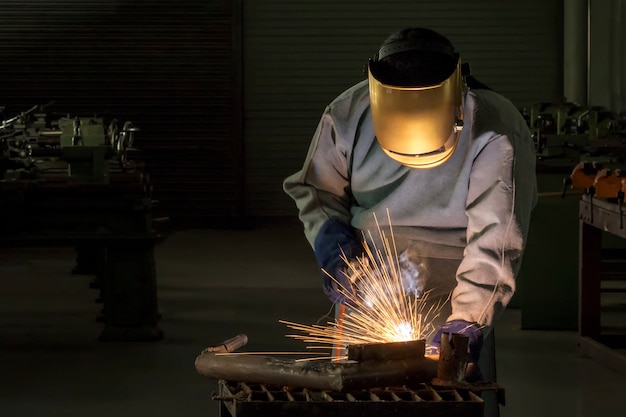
[{"x": 418, "y": 126}]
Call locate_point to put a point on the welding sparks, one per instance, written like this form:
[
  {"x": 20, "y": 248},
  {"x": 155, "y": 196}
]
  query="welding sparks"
[{"x": 378, "y": 307}]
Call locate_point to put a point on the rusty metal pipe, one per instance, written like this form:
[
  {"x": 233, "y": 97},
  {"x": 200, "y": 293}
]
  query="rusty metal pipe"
[{"x": 318, "y": 375}]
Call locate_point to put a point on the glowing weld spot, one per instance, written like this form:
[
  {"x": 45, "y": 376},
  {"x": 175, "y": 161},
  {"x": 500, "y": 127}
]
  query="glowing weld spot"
[{"x": 404, "y": 332}]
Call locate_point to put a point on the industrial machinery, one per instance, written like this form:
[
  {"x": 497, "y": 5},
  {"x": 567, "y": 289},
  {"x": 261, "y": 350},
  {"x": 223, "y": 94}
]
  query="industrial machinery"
[
  {"x": 34, "y": 143},
  {"x": 597, "y": 181},
  {"x": 73, "y": 181},
  {"x": 574, "y": 144},
  {"x": 566, "y": 133},
  {"x": 591, "y": 139},
  {"x": 583, "y": 176},
  {"x": 608, "y": 184},
  {"x": 377, "y": 380}
]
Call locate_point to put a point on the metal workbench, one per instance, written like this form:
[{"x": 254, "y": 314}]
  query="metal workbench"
[
  {"x": 260, "y": 400},
  {"x": 111, "y": 225},
  {"x": 597, "y": 217}
]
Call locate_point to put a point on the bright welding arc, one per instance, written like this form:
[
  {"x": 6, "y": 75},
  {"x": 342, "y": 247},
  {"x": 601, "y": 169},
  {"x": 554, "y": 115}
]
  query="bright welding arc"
[{"x": 379, "y": 308}]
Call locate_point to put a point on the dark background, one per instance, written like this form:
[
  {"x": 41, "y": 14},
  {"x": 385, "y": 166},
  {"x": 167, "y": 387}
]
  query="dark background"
[{"x": 165, "y": 66}]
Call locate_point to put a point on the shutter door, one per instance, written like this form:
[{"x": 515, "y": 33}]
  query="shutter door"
[
  {"x": 166, "y": 66},
  {"x": 298, "y": 55}
]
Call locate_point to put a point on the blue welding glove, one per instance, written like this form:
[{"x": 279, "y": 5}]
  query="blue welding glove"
[
  {"x": 334, "y": 240},
  {"x": 471, "y": 330}
]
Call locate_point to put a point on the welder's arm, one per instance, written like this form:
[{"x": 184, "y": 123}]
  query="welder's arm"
[
  {"x": 502, "y": 193},
  {"x": 321, "y": 191}
]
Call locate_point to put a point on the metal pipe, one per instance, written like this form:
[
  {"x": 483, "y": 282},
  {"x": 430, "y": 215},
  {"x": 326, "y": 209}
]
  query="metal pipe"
[
  {"x": 371, "y": 365},
  {"x": 318, "y": 375}
]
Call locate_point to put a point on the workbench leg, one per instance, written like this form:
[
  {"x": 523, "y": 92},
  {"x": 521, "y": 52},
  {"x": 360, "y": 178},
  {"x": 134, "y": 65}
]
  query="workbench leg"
[
  {"x": 590, "y": 250},
  {"x": 223, "y": 411},
  {"x": 98, "y": 281},
  {"x": 130, "y": 294}
]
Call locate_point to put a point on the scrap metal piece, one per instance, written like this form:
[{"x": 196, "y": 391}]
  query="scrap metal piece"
[
  {"x": 386, "y": 351},
  {"x": 452, "y": 357},
  {"x": 229, "y": 345}
]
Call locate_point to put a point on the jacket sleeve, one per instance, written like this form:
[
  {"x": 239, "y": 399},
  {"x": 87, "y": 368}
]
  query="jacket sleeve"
[
  {"x": 321, "y": 189},
  {"x": 502, "y": 193}
]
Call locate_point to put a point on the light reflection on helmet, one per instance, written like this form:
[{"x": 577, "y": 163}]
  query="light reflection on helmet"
[{"x": 418, "y": 124}]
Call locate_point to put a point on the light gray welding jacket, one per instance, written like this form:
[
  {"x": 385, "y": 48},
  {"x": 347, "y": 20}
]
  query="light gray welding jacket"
[{"x": 467, "y": 219}]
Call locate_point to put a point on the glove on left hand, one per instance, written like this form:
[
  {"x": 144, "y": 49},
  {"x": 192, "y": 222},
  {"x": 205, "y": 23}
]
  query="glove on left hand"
[{"x": 334, "y": 240}]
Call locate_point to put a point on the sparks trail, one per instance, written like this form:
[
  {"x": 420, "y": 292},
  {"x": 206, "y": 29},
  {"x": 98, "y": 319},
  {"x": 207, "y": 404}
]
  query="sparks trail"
[{"x": 380, "y": 309}]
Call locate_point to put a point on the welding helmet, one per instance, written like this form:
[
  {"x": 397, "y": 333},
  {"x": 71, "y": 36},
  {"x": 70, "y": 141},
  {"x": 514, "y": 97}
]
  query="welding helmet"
[{"x": 417, "y": 116}]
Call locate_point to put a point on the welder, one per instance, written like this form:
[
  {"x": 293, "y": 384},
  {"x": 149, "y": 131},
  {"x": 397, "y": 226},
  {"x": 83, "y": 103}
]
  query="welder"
[{"x": 448, "y": 160}]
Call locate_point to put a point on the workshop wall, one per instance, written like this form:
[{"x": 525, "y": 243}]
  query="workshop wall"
[
  {"x": 607, "y": 54},
  {"x": 166, "y": 66},
  {"x": 298, "y": 55},
  {"x": 193, "y": 73}
]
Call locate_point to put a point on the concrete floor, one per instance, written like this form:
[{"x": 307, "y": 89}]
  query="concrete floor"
[{"x": 214, "y": 284}]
